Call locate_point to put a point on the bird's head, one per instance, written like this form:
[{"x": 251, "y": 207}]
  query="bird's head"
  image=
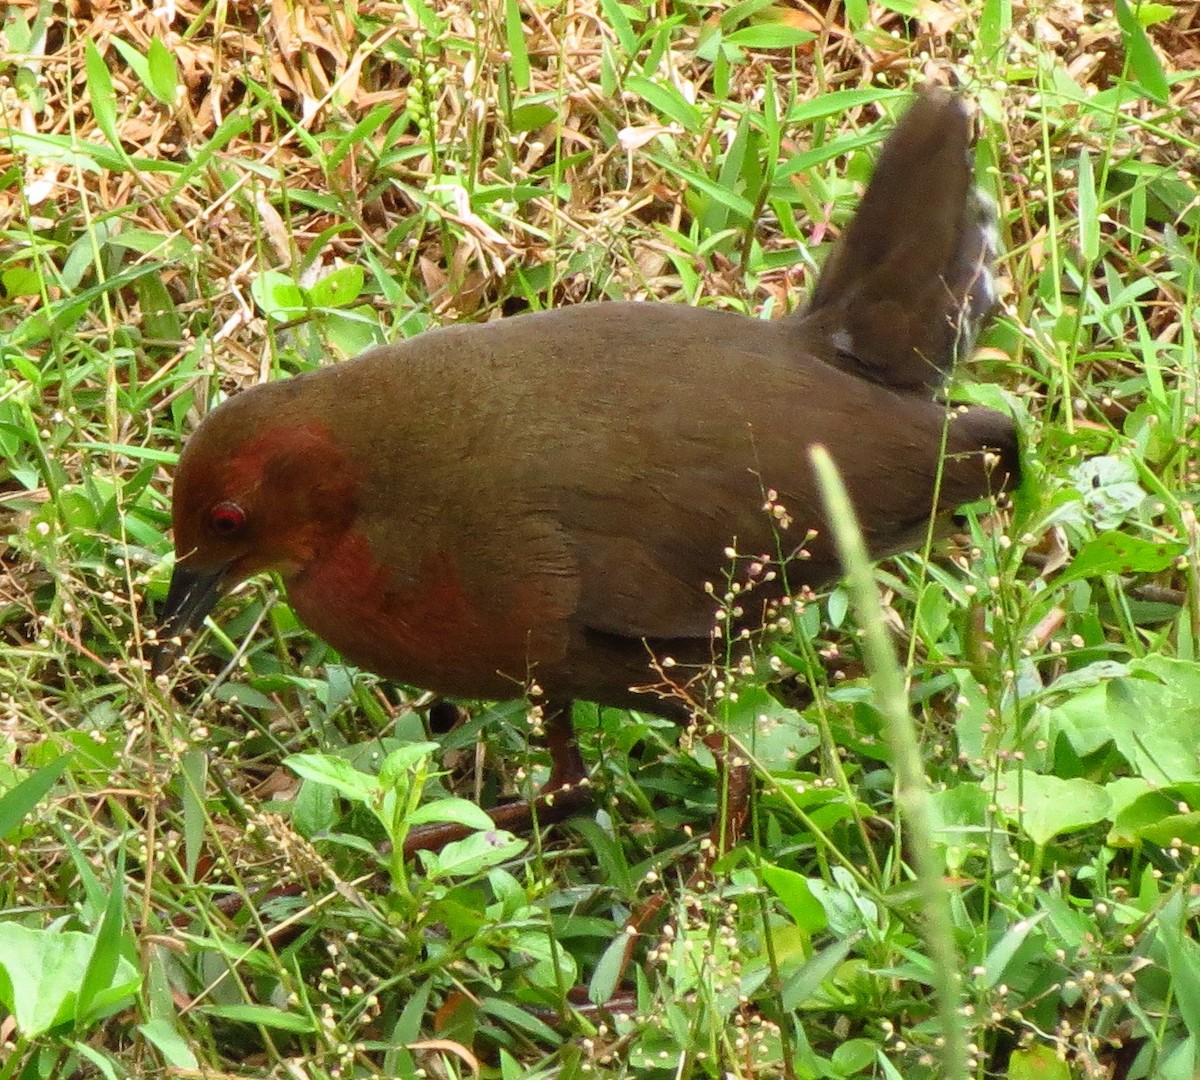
[{"x": 260, "y": 486}]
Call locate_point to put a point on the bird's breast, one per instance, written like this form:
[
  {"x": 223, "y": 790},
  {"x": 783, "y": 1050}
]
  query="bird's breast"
[{"x": 422, "y": 624}]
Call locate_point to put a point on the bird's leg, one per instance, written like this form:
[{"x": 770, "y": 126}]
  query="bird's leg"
[{"x": 565, "y": 793}]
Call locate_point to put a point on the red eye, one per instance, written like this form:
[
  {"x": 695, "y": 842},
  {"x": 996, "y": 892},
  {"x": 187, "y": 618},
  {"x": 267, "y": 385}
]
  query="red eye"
[{"x": 226, "y": 519}]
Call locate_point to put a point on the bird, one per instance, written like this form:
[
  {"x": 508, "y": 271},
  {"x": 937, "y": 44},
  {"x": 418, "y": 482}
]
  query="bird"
[{"x": 553, "y": 500}]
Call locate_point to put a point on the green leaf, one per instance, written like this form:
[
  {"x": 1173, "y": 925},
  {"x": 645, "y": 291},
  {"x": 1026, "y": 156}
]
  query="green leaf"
[
  {"x": 1119, "y": 553},
  {"x": 610, "y": 858},
  {"x": 278, "y": 296},
  {"x": 667, "y": 101},
  {"x": 162, "y": 77},
  {"x": 609, "y": 970},
  {"x": 742, "y": 11},
  {"x": 163, "y": 1036},
  {"x": 769, "y": 36},
  {"x": 532, "y": 116},
  {"x": 106, "y": 955},
  {"x": 744, "y": 208},
  {"x": 775, "y": 734},
  {"x": 1043, "y": 807},
  {"x": 404, "y": 761},
  {"x": 517, "y": 1017},
  {"x": 796, "y": 896},
  {"x": 20, "y": 281},
  {"x": 353, "y": 331},
  {"x": 338, "y": 288},
  {"x": 160, "y": 320},
  {"x": 959, "y": 820},
  {"x": 20, "y": 801},
  {"x": 138, "y": 64},
  {"x": 337, "y": 773},
  {"x": 614, "y": 13},
  {"x": 470, "y": 856},
  {"x": 1089, "y": 217},
  {"x": 514, "y": 34},
  {"x": 807, "y": 981},
  {"x": 41, "y": 972},
  {"x": 1143, "y": 61},
  {"x": 194, "y": 776},
  {"x": 263, "y": 1016},
  {"x": 1037, "y": 1063},
  {"x": 854, "y": 1056},
  {"x": 104, "y": 1064},
  {"x": 453, "y": 810},
  {"x": 100, "y": 93},
  {"x": 1157, "y": 816},
  {"x": 995, "y": 24},
  {"x": 1152, "y": 14},
  {"x": 1150, "y": 717},
  {"x": 1183, "y": 960},
  {"x": 1000, "y": 956}
]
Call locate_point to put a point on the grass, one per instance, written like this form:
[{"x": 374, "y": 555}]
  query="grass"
[{"x": 194, "y": 880}]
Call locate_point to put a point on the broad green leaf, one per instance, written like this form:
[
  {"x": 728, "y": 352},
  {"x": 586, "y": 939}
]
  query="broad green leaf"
[
  {"x": 854, "y": 1056},
  {"x": 338, "y": 288},
  {"x": 775, "y": 734},
  {"x": 532, "y": 116},
  {"x": 404, "y": 760},
  {"x": 1161, "y": 816},
  {"x": 1151, "y": 717},
  {"x": 278, "y": 296},
  {"x": 41, "y": 972},
  {"x": 336, "y": 773},
  {"x": 796, "y": 896},
  {"x": 1109, "y": 487},
  {"x": 453, "y": 810},
  {"x": 1152, "y": 14},
  {"x": 1119, "y": 553},
  {"x": 959, "y": 821},
  {"x": 1043, "y": 807},
  {"x": 1037, "y": 1063},
  {"x": 470, "y": 856}
]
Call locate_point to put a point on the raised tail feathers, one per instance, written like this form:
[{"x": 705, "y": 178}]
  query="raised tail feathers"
[{"x": 909, "y": 285}]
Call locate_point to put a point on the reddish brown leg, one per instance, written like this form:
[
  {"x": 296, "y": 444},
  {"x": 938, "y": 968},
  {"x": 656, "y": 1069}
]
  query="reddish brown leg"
[{"x": 565, "y": 793}]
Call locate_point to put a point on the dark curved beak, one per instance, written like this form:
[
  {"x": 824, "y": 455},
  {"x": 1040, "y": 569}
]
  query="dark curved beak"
[{"x": 190, "y": 597}]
